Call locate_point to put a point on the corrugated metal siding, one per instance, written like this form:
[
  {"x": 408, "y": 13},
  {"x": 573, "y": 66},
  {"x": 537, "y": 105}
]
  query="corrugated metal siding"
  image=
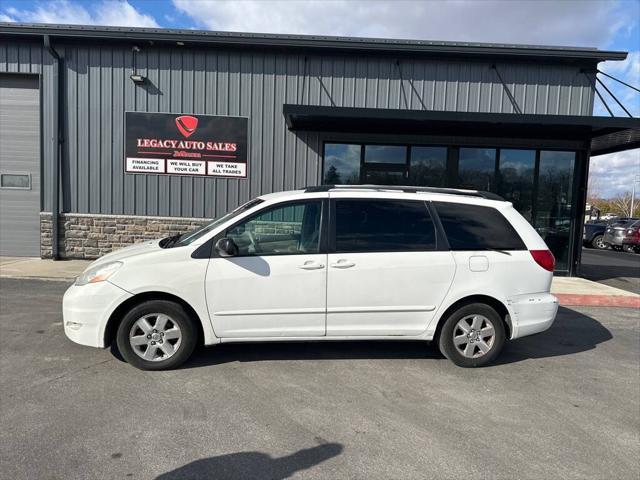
[
  {"x": 253, "y": 84},
  {"x": 20, "y": 155}
]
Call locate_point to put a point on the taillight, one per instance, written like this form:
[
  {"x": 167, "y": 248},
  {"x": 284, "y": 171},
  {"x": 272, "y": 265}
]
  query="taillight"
[{"x": 544, "y": 258}]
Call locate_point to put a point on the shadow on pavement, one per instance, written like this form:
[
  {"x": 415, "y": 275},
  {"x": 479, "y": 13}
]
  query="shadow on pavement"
[
  {"x": 253, "y": 465},
  {"x": 572, "y": 332},
  {"x": 605, "y": 272}
]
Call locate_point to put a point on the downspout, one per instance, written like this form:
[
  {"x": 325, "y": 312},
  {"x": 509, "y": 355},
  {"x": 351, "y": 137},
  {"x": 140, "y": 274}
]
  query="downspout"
[{"x": 59, "y": 139}]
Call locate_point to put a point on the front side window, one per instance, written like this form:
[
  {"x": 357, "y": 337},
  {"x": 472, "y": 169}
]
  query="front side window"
[
  {"x": 383, "y": 226},
  {"x": 473, "y": 227},
  {"x": 289, "y": 229},
  {"x": 190, "y": 237}
]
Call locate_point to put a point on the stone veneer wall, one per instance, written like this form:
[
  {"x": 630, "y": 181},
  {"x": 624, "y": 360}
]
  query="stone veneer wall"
[{"x": 91, "y": 235}]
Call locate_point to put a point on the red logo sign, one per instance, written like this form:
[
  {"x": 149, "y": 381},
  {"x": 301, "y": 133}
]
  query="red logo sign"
[{"x": 187, "y": 125}]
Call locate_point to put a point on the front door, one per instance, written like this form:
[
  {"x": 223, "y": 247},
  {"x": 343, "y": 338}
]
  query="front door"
[
  {"x": 386, "y": 276},
  {"x": 276, "y": 285}
]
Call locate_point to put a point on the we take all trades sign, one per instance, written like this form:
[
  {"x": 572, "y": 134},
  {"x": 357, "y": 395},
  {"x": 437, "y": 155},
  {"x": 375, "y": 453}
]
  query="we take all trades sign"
[{"x": 185, "y": 144}]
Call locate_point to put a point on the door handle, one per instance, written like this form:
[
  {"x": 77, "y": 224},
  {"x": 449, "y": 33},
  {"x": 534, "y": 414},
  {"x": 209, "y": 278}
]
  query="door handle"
[
  {"x": 342, "y": 263},
  {"x": 311, "y": 265}
]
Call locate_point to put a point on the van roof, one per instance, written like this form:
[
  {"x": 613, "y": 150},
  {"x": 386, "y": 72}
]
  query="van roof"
[
  {"x": 447, "y": 192},
  {"x": 407, "y": 189}
]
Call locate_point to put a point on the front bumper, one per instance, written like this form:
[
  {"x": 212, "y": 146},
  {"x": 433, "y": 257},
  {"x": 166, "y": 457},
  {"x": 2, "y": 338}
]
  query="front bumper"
[
  {"x": 532, "y": 313},
  {"x": 86, "y": 311}
]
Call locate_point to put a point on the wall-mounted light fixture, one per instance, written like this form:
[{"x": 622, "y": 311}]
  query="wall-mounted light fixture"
[
  {"x": 138, "y": 79},
  {"x": 135, "y": 76}
]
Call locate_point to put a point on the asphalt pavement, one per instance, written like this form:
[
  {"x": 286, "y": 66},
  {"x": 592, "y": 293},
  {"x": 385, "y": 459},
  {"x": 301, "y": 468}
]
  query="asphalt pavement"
[
  {"x": 613, "y": 268},
  {"x": 562, "y": 404}
]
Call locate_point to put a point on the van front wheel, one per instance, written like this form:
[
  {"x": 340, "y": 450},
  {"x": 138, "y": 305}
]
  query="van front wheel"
[
  {"x": 156, "y": 335},
  {"x": 472, "y": 336}
]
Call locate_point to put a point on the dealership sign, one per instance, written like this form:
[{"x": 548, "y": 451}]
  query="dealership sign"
[{"x": 180, "y": 144}]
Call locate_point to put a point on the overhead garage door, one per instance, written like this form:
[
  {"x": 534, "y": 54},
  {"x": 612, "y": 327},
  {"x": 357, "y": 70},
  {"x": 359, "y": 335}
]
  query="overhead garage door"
[{"x": 19, "y": 166}]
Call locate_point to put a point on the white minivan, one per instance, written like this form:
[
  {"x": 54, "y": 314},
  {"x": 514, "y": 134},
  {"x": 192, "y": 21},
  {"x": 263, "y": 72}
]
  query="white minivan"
[{"x": 460, "y": 268}]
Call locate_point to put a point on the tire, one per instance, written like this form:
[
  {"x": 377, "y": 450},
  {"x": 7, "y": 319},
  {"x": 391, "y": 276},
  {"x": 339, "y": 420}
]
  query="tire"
[
  {"x": 597, "y": 242},
  {"x": 470, "y": 354},
  {"x": 617, "y": 248},
  {"x": 165, "y": 336},
  {"x": 629, "y": 248}
]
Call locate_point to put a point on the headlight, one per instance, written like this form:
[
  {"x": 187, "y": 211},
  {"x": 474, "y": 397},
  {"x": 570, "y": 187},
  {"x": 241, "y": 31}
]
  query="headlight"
[{"x": 99, "y": 273}]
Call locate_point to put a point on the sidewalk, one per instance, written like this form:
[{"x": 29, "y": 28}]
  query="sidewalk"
[
  {"x": 25, "y": 267},
  {"x": 571, "y": 291},
  {"x": 575, "y": 291}
]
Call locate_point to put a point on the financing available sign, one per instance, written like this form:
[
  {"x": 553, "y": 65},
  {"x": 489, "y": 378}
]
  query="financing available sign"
[{"x": 181, "y": 144}]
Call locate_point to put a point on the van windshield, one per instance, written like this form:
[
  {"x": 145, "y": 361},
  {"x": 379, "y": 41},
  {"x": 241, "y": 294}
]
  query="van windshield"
[{"x": 190, "y": 237}]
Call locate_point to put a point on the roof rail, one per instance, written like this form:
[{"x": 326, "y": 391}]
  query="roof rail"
[{"x": 406, "y": 189}]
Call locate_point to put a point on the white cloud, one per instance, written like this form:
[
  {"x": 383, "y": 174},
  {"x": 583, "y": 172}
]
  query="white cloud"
[
  {"x": 616, "y": 171},
  {"x": 107, "y": 12},
  {"x": 578, "y": 22},
  {"x": 6, "y": 18}
]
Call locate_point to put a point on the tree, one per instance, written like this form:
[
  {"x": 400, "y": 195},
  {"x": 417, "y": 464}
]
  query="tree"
[
  {"x": 622, "y": 205},
  {"x": 332, "y": 177}
]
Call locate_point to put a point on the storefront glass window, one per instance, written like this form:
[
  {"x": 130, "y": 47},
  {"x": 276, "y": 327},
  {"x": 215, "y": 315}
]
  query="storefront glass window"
[
  {"x": 396, "y": 154},
  {"x": 384, "y": 177},
  {"x": 428, "y": 166},
  {"x": 476, "y": 169},
  {"x": 516, "y": 169},
  {"x": 555, "y": 203},
  {"x": 341, "y": 164}
]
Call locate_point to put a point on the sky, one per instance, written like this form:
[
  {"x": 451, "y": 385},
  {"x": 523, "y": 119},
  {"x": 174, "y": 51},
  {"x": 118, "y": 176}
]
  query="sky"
[{"x": 605, "y": 24}]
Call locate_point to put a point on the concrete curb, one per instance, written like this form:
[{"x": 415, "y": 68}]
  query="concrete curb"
[
  {"x": 575, "y": 300},
  {"x": 46, "y": 279}
]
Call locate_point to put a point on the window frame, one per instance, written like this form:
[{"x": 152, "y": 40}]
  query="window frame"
[
  {"x": 324, "y": 221},
  {"x": 17, "y": 174},
  {"x": 441, "y": 243}
]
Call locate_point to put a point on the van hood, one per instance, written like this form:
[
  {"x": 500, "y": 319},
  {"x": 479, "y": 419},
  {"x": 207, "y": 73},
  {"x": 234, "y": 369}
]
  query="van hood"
[{"x": 127, "y": 252}]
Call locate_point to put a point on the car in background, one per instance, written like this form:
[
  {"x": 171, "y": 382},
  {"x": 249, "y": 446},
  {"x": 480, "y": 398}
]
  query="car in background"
[
  {"x": 631, "y": 240},
  {"x": 614, "y": 233},
  {"x": 593, "y": 235}
]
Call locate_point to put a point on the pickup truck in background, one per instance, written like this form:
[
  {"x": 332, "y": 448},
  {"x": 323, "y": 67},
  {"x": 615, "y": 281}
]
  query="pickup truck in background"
[{"x": 593, "y": 235}]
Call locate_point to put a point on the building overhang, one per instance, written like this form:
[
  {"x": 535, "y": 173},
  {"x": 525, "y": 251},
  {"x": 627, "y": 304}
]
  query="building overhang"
[
  {"x": 310, "y": 43},
  {"x": 602, "y": 134}
]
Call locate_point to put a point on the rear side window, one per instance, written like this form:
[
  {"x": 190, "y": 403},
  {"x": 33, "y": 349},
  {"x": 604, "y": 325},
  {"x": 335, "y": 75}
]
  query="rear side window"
[
  {"x": 472, "y": 227},
  {"x": 383, "y": 226}
]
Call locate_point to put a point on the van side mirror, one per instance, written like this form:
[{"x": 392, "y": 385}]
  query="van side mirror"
[{"x": 226, "y": 247}]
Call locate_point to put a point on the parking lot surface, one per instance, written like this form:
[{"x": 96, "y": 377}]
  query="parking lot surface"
[
  {"x": 562, "y": 404},
  {"x": 616, "y": 269}
]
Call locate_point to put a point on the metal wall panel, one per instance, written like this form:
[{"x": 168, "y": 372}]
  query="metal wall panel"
[{"x": 255, "y": 84}]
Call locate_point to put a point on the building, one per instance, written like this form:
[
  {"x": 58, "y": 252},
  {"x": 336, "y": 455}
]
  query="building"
[{"x": 88, "y": 163}]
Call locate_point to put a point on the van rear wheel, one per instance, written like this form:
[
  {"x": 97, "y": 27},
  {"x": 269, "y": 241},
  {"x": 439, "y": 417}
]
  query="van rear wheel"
[{"x": 472, "y": 336}]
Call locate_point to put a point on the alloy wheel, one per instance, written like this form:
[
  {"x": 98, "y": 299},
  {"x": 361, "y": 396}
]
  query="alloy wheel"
[
  {"x": 474, "y": 336},
  {"x": 155, "y": 337}
]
